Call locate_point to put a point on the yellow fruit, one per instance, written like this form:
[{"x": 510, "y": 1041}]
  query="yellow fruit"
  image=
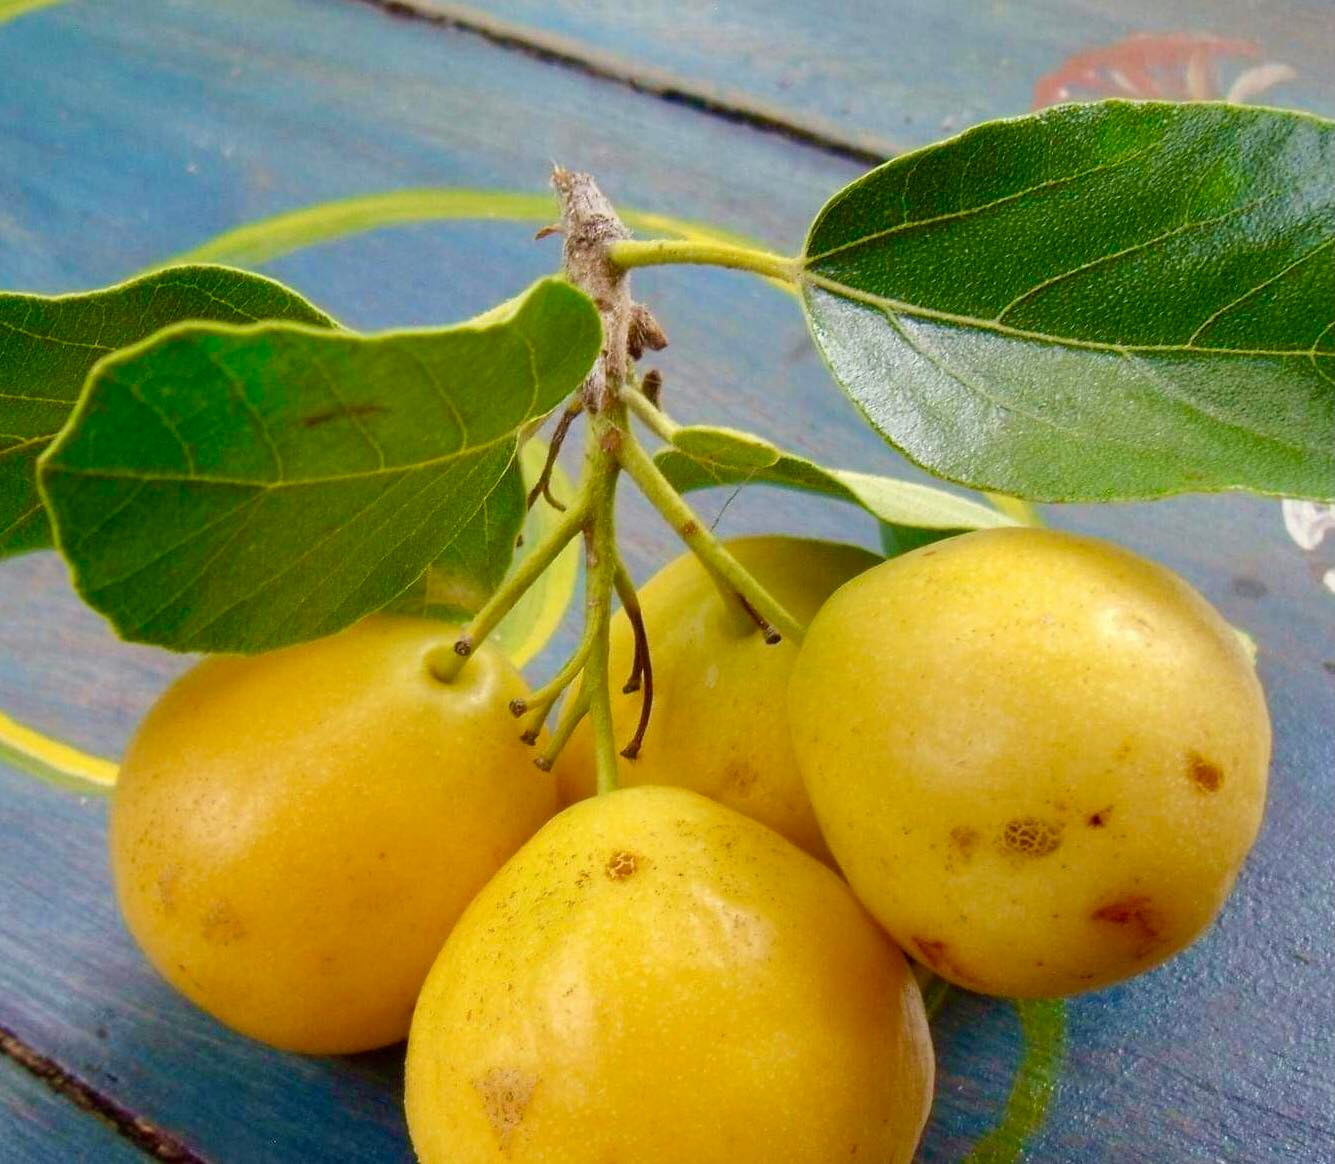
[
  {"x": 654, "y": 978},
  {"x": 294, "y": 834},
  {"x": 719, "y": 721},
  {"x": 1039, "y": 759}
]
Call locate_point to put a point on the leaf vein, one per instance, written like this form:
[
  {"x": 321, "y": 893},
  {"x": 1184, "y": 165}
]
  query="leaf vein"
[
  {"x": 968, "y": 212},
  {"x": 1182, "y": 228},
  {"x": 1298, "y": 262}
]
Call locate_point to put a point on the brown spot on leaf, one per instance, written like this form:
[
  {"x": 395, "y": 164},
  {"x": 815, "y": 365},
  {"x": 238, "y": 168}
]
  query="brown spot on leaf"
[
  {"x": 1206, "y": 775},
  {"x": 622, "y": 864},
  {"x": 1030, "y": 836},
  {"x": 505, "y": 1093},
  {"x": 345, "y": 411}
]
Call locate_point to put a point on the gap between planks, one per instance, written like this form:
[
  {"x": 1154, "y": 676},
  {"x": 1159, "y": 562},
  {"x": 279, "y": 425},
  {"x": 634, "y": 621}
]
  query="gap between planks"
[
  {"x": 158, "y": 1143},
  {"x": 718, "y": 101}
]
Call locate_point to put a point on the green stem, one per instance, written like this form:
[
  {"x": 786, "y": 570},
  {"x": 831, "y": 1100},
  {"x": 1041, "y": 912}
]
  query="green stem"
[
  {"x": 659, "y": 251},
  {"x": 538, "y": 706},
  {"x": 652, "y": 417},
  {"x": 732, "y": 576},
  {"x": 605, "y": 434},
  {"x": 575, "y": 710},
  {"x": 445, "y": 663}
]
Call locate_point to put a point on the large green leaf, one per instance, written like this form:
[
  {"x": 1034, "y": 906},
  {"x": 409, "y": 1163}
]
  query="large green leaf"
[
  {"x": 474, "y": 564},
  {"x": 238, "y": 488},
  {"x": 700, "y": 457},
  {"x": 1102, "y": 301},
  {"x": 48, "y": 344}
]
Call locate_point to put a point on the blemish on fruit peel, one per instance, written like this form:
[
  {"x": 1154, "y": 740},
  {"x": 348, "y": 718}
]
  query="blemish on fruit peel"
[{"x": 505, "y": 1093}]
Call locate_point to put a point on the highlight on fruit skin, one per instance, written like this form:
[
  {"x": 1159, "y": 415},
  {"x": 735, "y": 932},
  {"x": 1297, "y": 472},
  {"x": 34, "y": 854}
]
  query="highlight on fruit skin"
[
  {"x": 656, "y": 978},
  {"x": 294, "y": 834},
  {"x": 719, "y": 719},
  {"x": 1039, "y": 759}
]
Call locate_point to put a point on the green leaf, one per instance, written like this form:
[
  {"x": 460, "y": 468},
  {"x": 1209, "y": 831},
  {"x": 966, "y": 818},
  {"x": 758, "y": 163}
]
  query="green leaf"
[
  {"x": 725, "y": 447},
  {"x": 1100, "y": 301},
  {"x": 240, "y": 488},
  {"x": 474, "y": 564},
  {"x": 897, "y": 503},
  {"x": 49, "y": 343}
]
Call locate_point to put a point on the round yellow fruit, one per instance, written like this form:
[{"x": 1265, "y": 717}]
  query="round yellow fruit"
[
  {"x": 1039, "y": 759},
  {"x": 655, "y": 978},
  {"x": 294, "y": 834},
  {"x": 720, "y": 720}
]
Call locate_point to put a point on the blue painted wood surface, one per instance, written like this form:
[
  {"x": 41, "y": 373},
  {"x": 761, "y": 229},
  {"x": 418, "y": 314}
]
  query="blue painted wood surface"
[
  {"x": 36, "y": 1123},
  {"x": 909, "y": 72},
  {"x": 132, "y": 131}
]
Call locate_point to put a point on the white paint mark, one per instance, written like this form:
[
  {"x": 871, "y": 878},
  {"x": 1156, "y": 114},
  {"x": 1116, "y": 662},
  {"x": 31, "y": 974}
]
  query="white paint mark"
[{"x": 1308, "y": 522}]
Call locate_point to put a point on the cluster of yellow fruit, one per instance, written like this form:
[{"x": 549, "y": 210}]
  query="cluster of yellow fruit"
[{"x": 1033, "y": 762}]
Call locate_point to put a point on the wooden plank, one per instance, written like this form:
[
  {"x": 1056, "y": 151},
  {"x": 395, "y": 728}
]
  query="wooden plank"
[
  {"x": 226, "y": 119},
  {"x": 895, "y": 75},
  {"x": 35, "y": 1122}
]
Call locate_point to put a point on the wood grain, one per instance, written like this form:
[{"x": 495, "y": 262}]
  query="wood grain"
[
  {"x": 133, "y": 131},
  {"x": 884, "y": 75}
]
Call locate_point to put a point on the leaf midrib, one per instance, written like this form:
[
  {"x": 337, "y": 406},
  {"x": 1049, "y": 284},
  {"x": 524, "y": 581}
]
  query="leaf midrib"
[
  {"x": 900, "y": 307},
  {"x": 274, "y": 486},
  {"x": 1128, "y": 354}
]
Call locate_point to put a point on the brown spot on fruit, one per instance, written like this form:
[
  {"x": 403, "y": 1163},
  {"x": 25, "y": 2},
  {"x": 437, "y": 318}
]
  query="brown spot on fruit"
[
  {"x": 935, "y": 953},
  {"x": 505, "y": 1093},
  {"x": 965, "y": 838},
  {"x": 931, "y": 951},
  {"x": 222, "y": 924},
  {"x": 622, "y": 864},
  {"x": 689, "y": 529},
  {"x": 1029, "y": 836},
  {"x": 740, "y": 777},
  {"x": 166, "y": 884},
  {"x": 1206, "y": 775},
  {"x": 1096, "y": 820},
  {"x": 1138, "y": 914}
]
